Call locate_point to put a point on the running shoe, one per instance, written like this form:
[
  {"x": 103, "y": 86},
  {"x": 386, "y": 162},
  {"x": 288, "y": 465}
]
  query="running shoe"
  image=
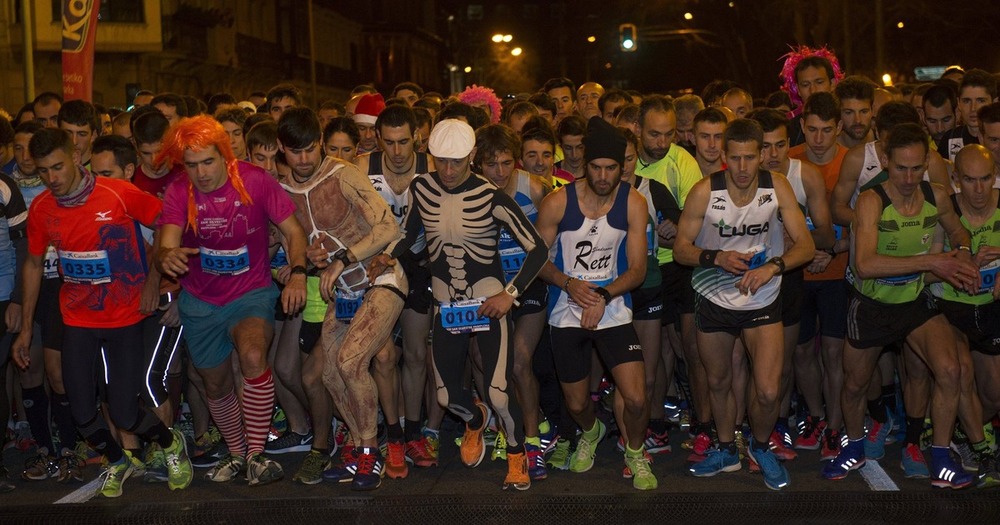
[
  {"x": 536, "y": 462},
  {"x": 395, "y": 465},
  {"x": 671, "y": 411},
  {"x": 970, "y": 460},
  {"x": 639, "y": 468},
  {"x": 499, "y": 451},
  {"x": 810, "y": 434},
  {"x": 370, "y": 469},
  {"x": 699, "y": 447},
  {"x": 86, "y": 454},
  {"x": 927, "y": 436},
  {"x": 657, "y": 443},
  {"x": 517, "y": 472},
  {"x": 473, "y": 449},
  {"x": 741, "y": 444},
  {"x": 627, "y": 472},
  {"x": 419, "y": 453},
  {"x": 70, "y": 468},
  {"x": 156, "y": 465},
  {"x": 989, "y": 472},
  {"x": 262, "y": 470},
  {"x": 877, "y": 434},
  {"x": 344, "y": 473},
  {"x": 23, "y": 440},
  {"x": 775, "y": 474},
  {"x": 311, "y": 471},
  {"x": 40, "y": 467},
  {"x": 831, "y": 445},
  {"x": 547, "y": 436},
  {"x": 781, "y": 444},
  {"x": 290, "y": 442},
  {"x": 851, "y": 457},
  {"x": 583, "y": 459},
  {"x": 178, "y": 464},
  {"x": 717, "y": 460},
  {"x": 227, "y": 469},
  {"x": 114, "y": 476},
  {"x": 559, "y": 459},
  {"x": 913, "y": 463},
  {"x": 945, "y": 473}
]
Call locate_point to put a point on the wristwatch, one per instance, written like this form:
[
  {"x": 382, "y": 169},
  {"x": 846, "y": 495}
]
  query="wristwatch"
[
  {"x": 341, "y": 255},
  {"x": 600, "y": 290},
  {"x": 512, "y": 290},
  {"x": 779, "y": 262},
  {"x": 298, "y": 270}
]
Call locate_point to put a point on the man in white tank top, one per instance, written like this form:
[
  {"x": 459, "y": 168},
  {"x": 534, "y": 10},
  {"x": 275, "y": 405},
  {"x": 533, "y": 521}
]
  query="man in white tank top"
[{"x": 730, "y": 231}]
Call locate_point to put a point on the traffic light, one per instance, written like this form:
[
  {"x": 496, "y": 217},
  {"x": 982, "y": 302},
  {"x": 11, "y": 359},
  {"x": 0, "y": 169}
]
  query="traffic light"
[{"x": 627, "y": 37}]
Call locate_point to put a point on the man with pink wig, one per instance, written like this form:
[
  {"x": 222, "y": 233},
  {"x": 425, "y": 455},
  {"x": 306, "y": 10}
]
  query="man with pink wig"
[{"x": 214, "y": 237}]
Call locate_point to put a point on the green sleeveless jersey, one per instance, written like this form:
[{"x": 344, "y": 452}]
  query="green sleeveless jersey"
[
  {"x": 900, "y": 236},
  {"x": 986, "y": 235}
]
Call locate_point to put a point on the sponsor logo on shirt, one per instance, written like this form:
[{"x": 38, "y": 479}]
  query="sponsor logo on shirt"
[
  {"x": 103, "y": 216},
  {"x": 764, "y": 199}
]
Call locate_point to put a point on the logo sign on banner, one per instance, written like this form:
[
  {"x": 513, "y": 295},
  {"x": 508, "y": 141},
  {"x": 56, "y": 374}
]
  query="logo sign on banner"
[{"x": 79, "y": 31}]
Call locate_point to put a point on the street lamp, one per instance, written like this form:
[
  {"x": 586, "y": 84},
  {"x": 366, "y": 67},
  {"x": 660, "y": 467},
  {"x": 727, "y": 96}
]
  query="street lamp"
[
  {"x": 516, "y": 51},
  {"x": 500, "y": 37}
]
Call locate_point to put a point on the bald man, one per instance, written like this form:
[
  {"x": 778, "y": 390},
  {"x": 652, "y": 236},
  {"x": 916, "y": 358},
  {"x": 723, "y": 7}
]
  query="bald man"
[
  {"x": 586, "y": 99},
  {"x": 978, "y": 207}
]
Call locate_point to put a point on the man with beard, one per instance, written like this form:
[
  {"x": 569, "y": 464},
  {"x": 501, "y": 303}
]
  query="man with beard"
[
  {"x": 663, "y": 161},
  {"x": 856, "y": 95},
  {"x": 597, "y": 228},
  {"x": 939, "y": 110},
  {"x": 731, "y": 232}
]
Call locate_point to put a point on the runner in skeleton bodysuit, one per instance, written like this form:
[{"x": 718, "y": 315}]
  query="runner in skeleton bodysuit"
[
  {"x": 347, "y": 223},
  {"x": 461, "y": 215}
]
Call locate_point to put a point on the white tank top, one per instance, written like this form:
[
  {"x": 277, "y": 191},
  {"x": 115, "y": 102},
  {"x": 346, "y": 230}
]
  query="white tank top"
[{"x": 753, "y": 227}]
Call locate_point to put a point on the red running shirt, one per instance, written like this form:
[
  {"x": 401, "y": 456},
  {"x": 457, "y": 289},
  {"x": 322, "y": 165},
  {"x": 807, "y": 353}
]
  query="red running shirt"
[{"x": 101, "y": 255}]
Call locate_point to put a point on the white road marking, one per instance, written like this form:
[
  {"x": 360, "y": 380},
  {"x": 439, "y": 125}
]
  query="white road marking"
[
  {"x": 876, "y": 477},
  {"x": 82, "y": 494}
]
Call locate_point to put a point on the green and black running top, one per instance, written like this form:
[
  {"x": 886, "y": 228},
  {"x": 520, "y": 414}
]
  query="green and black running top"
[
  {"x": 988, "y": 234},
  {"x": 901, "y": 236}
]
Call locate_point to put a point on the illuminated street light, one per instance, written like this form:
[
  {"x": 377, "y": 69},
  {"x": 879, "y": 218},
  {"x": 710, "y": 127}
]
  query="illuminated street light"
[
  {"x": 591, "y": 39},
  {"x": 508, "y": 38},
  {"x": 887, "y": 79},
  {"x": 468, "y": 69},
  {"x": 688, "y": 16},
  {"x": 900, "y": 24},
  {"x": 498, "y": 38},
  {"x": 516, "y": 51}
]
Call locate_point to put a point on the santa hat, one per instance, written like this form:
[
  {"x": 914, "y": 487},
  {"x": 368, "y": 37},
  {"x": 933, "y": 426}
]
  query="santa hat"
[{"x": 369, "y": 108}]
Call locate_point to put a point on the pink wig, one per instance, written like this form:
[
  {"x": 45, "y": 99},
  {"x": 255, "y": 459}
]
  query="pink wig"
[
  {"x": 474, "y": 95},
  {"x": 792, "y": 59},
  {"x": 196, "y": 134}
]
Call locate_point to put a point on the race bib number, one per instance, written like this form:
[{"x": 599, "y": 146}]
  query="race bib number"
[
  {"x": 50, "y": 266},
  {"x": 347, "y": 305},
  {"x": 899, "y": 280},
  {"x": 225, "y": 262},
  {"x": 280, "y": 259},
  {"x": 462, "y": 318},
  {"x": 759, "y": 257},
  {"x": 85, "y": 267},
  {"x": 512, "y": 259},
  {"x": 988, "y": 276}
]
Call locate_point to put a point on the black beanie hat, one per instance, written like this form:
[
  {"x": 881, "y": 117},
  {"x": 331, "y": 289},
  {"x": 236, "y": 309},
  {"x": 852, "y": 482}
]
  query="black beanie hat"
[{"x": 603, "y": 141}]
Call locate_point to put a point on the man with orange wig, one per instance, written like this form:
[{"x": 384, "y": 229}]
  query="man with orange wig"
[{"x": 214, "y": 237}]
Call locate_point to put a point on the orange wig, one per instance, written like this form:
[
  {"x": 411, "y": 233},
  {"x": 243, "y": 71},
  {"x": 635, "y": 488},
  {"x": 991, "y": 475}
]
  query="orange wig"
[{"x": 196, "y": 134}]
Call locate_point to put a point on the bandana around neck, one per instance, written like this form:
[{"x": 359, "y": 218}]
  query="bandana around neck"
[{"x": 78, "y": 197}]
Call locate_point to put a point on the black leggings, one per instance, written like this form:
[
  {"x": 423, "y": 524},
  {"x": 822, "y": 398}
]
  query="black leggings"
[
  {"x": 161, "y": 344},
  {"x": 114, "y": 355},
  {"x": 496, "y": 348}
]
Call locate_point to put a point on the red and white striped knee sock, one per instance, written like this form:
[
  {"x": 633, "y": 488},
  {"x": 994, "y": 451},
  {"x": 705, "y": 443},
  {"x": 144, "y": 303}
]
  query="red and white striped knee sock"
[
  {"x": 227, "y": 416},
  {"x": 258, "y": 407}
]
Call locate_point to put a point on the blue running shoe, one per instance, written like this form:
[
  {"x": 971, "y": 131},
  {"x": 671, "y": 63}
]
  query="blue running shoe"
[
  {"x": 775, "y": 475},
  {"x": 875, "y": 440},
  {"x": 717, "y": 460},
  {"x": 344, "y": 473},
  {"x": 913, "y": 462},
  {"x": 547, "y": 437},
  {"x": 536, "y": 462},
  {"x": 851, "y": 457},
  {"x": 945, "y": 473}
]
